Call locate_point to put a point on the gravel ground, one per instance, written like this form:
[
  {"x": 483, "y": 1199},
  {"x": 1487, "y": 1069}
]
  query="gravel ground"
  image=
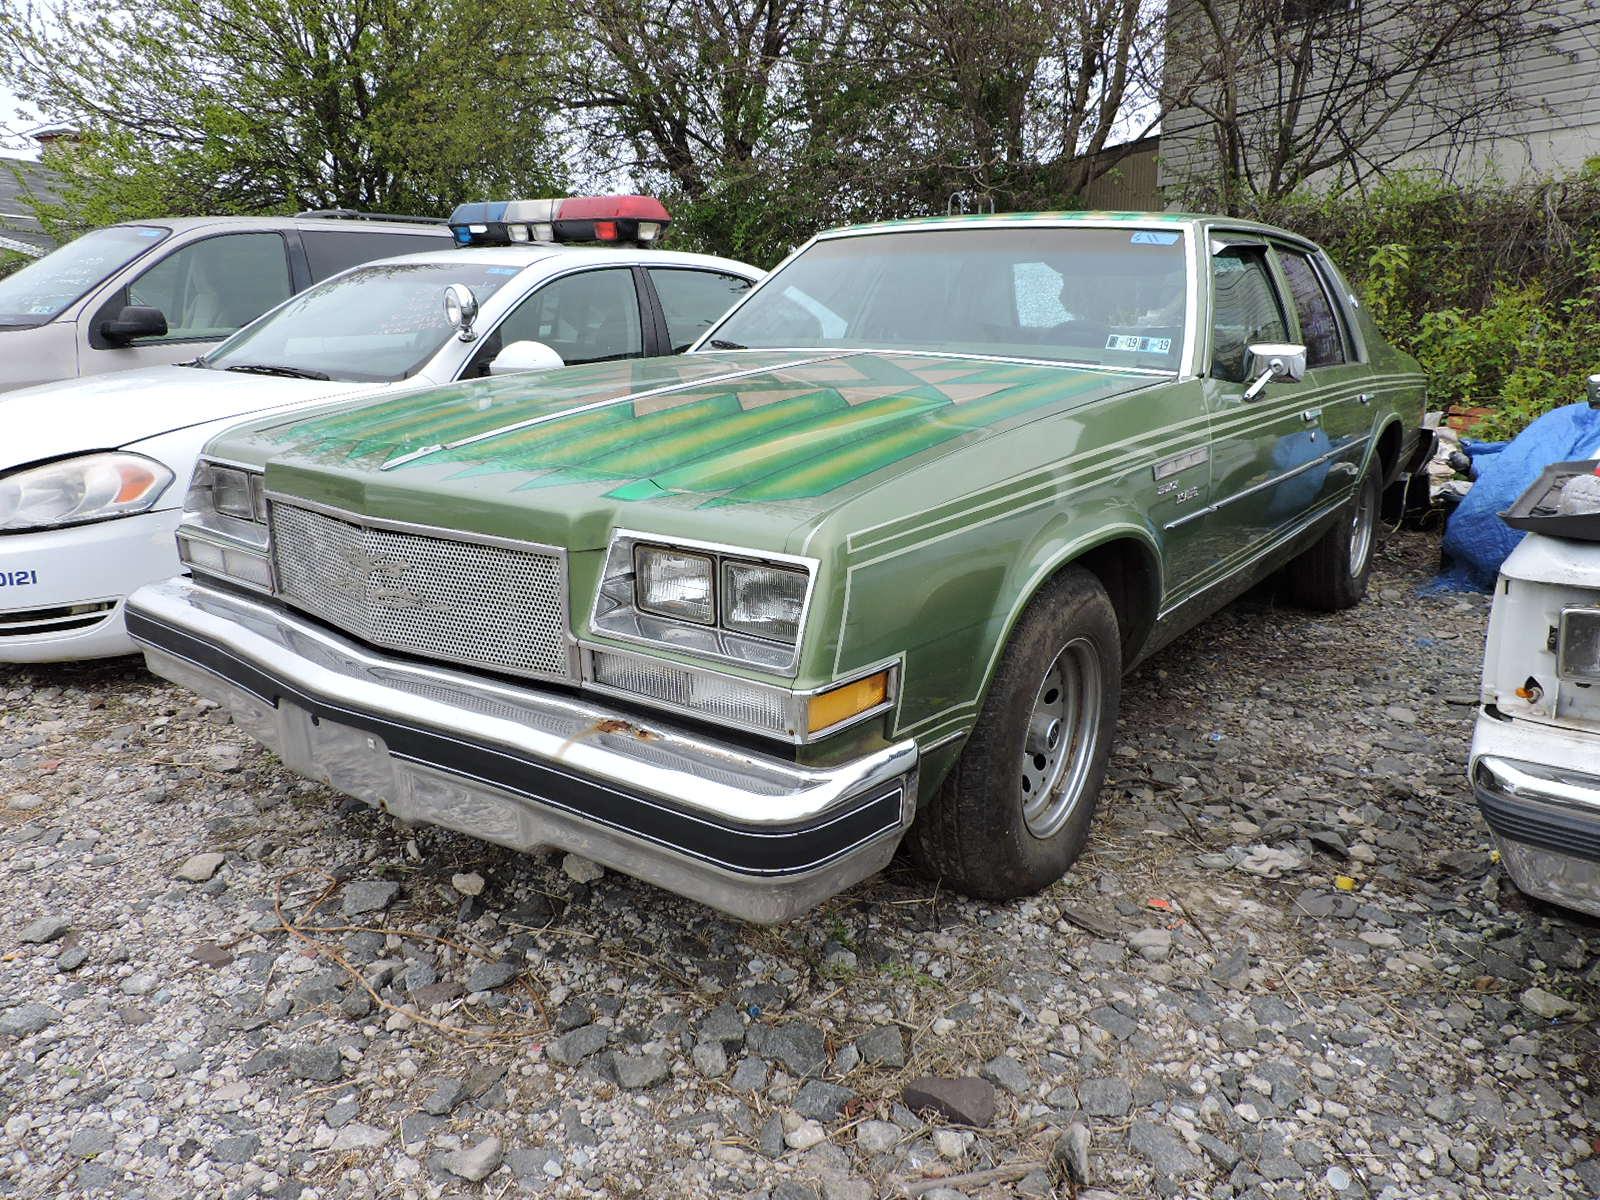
[{"x": 1288, "y": 966}]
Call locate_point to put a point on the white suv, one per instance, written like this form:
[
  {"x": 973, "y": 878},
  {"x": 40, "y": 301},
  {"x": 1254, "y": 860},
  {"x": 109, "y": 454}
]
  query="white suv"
[{"x": 151, "y": 292}]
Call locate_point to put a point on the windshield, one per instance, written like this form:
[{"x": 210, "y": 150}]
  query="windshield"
[
  {"x": 42, "y": 289},
  {"x": 374, "y": 324},
  {"x": 1105, "y": 296}
]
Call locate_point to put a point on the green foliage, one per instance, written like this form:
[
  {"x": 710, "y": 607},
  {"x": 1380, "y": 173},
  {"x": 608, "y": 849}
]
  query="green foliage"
[
  {"x": 11, "y": 261},
  {"x": 1495, "y": 289},
  {"x": 262, "y": 106}
]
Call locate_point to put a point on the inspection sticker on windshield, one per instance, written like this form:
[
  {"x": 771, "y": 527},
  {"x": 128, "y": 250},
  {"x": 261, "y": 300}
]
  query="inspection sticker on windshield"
[
  {"x": 18, "y": 578},
  {"x": 1138, "y": 345},
  {"x": 1149, "y": 237},
  {"x": 501, "y": 270}
]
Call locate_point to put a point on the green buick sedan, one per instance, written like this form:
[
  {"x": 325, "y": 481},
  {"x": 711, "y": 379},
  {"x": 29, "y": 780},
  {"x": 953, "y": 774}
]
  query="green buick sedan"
[{"x": 863, "y": 569}]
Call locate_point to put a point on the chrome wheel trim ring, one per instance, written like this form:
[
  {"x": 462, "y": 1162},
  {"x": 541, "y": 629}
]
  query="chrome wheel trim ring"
[
  {"x": 1362, "y": 523},
  {"x": 1063, "y": 732}
]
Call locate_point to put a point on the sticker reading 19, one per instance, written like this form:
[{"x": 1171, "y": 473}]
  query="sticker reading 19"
[
  {"x": 1138, "y": 345},
  {"x": 18, "y": 578}
]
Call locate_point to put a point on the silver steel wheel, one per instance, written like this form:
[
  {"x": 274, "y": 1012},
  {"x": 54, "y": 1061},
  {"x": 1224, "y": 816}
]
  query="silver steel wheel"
[
  {"x": 1362, "y": 523},
  {"x": 1062, "y": 734}
]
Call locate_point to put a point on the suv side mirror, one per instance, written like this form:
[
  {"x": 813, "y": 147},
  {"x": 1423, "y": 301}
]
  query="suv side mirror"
[
  {"x": 524, "y": 356},
  {"x": 1268, "y": 361},
  {"x": 134, "y": 321}
]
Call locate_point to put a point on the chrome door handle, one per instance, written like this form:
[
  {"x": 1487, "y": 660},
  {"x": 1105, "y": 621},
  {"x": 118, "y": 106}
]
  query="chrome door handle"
[
  {"x": 1311, "y": 416},
  {"x": 1364, "y": 398}
]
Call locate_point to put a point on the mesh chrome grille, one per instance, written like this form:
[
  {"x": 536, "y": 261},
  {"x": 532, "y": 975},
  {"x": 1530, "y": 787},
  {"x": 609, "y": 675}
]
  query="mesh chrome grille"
[
  {"x": 463, "y": 602},
  {"x": 748, "y": 705}
]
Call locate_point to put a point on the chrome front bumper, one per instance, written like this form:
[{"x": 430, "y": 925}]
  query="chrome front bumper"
[
  {"x": 751, "y": 834},
  {"x": 1546, "y": 821}
]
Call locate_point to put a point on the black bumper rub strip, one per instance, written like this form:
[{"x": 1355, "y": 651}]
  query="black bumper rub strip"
[
  {"x": 786, "y": 850},
  {"x": 1544, "y": 826}
]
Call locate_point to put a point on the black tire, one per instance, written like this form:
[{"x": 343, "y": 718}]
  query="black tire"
[
  {"x": 1332, "y": 574},
  {"x": 975, "y": 833}
]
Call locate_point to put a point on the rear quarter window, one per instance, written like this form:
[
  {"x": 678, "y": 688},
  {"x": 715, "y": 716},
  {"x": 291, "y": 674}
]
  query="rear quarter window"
[{"x": 329, "y": 251}]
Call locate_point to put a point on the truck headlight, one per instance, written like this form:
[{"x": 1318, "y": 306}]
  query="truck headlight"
[
  {"x": 224, "y": 531},
  {"x": 75, "y": 491},
  {"x": 1578, "y": 644}
]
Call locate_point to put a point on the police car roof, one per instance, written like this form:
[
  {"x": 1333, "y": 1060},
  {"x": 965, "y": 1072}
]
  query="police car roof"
[{"x": 531, "y": 253}]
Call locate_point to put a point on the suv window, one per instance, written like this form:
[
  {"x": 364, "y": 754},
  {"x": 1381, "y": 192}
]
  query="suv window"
[
  {"x": 1318, "y": 324},
  {"x": 1244, "y": 309},
  {"x": 329, "y": 251},
  {"x": 210, "y": 288},
  {"x": 691, "y": 300},
  {"x": 589, "y": 317}
]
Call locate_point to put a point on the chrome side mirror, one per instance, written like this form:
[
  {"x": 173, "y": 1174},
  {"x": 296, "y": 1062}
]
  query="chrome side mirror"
[
  {"x": 461, "y": 309},
  {"x": 525, "y": 356},
  {"x": 1284, "y": 362}
]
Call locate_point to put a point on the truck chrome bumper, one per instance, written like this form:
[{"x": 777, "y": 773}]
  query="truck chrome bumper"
[
  {"x": 1546, "y": 821},
  {"x": 753, "y": 835}
]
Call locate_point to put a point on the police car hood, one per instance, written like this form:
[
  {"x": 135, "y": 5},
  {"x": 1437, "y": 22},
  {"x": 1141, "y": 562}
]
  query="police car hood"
[
  {"x": 104, "y": 412},
  {"x": 765, "y": 441}
]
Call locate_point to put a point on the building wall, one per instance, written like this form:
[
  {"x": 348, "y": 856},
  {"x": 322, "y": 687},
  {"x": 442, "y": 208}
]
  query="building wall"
[{"x": 1552, "y": 124}]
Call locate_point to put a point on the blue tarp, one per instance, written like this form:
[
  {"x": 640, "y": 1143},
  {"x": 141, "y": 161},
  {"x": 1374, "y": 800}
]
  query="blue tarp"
[{"x": 1476, "y": 541}]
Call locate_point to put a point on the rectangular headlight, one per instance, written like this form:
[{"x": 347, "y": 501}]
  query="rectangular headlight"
[
  {"x": 1578, "y": 646},
  {"x": 762, "y": 600},
  {"x": 233, "y": 494},
  {"x": 675, "y": 583}
]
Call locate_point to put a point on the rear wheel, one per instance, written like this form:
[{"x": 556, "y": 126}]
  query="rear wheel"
[
  {"x": 1014, "y": 812},
  {"x": 1332, "y": 574}
]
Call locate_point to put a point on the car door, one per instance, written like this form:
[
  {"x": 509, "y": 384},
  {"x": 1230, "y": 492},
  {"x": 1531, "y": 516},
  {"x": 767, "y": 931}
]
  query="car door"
[
  {"x": 589, "y": 315},
  {"x": 1265, "y": 446},
  {"x": 691, "y": 299},
  {"x": 1337, "y": 385},
  {"x": 206, "y": 289}
]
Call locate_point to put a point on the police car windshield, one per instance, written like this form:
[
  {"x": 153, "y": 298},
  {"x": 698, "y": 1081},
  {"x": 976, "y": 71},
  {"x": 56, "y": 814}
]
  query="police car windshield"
[
  {"x": 1106, "y": 296},
  {"x": 374, "y": 324},
  {"x": 42, "y": 289}
]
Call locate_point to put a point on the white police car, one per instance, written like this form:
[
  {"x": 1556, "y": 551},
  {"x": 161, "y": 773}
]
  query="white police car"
[{"x": 93, "y": 472}]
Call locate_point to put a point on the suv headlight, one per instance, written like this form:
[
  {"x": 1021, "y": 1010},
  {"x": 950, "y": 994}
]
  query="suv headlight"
[
  {"x": 224, "y": 531},
  {"x": 76, "y": 491}
]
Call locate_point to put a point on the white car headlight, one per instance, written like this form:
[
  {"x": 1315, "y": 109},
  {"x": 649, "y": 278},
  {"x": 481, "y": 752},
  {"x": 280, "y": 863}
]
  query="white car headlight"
[{"x": 75, "y": 491}]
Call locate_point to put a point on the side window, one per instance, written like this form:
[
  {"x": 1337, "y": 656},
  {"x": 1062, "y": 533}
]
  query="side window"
[
  {"x": 1318, "y": 324},
  {"x": 1244, "y": 309},
  {"x": 589, "y": 317},
  {"x": 691, "y": 300},
  {"x": 329, "y": 251},
  {"x": 211, "y": 288}
]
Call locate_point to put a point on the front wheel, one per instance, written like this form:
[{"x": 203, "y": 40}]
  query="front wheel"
[
  {"x": 1332, "y": 574},
  {"x": 1013, "y": 814}
]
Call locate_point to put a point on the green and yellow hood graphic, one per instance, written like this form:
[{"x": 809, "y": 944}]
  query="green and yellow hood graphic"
[{"x": 791, "y": 433}]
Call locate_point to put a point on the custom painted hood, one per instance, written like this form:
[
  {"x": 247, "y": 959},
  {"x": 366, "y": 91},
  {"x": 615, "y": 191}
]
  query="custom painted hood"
[
  {"x": 562, "y": 457},
  {"x": 104, "y": 412}
]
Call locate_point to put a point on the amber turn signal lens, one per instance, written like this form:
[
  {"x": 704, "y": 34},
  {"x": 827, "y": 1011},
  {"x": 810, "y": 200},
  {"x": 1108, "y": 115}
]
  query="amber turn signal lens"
[{"x": 829, "y": 708}]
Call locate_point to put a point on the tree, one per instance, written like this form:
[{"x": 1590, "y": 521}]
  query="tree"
[
  {"x": 1268, "y": 95},
  {"x": 218, "y": 106},
  {"x": 766, "y": 119}
]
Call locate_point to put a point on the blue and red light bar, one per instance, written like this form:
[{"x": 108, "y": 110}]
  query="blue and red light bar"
[{"x": 636, "y": 220}]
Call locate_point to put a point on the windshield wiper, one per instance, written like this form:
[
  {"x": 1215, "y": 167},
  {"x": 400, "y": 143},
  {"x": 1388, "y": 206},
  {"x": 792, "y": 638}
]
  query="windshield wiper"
[
  {"x": 284, "y": 372},
  {"x": 724, "y": 344},
  {"x": 191, "y": 362}
]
